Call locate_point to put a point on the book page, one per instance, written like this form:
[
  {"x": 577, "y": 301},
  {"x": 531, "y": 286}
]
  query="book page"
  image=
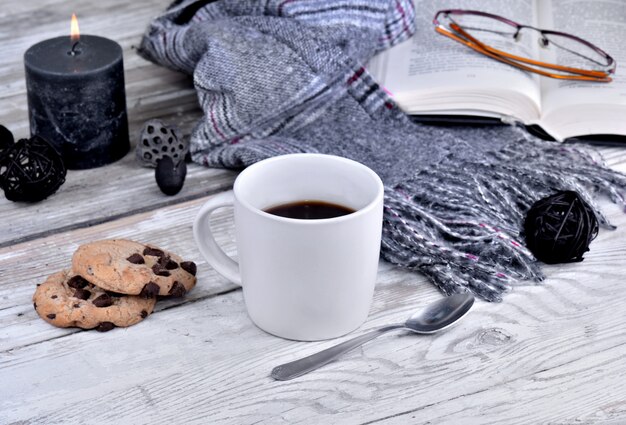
[
  {"x": 601, "y": 22},
  {"x": 430, "y": 64}
]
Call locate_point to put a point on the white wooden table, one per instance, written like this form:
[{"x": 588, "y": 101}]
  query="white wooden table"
[{"x": 551, "y": 353}]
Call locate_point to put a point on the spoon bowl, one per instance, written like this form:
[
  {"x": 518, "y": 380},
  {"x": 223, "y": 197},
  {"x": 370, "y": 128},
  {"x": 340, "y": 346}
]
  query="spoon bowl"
[{"x": 440, "y": 314}]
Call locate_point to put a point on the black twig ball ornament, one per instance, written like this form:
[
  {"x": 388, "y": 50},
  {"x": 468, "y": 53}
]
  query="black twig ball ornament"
[
  {"x": 30, "y": 170},
  {"x": 560, "y": 228},
  {"x": 6, "y": 139}
]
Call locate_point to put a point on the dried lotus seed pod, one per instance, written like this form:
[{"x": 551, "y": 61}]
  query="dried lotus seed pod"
[{"x": 158, "y": 140}]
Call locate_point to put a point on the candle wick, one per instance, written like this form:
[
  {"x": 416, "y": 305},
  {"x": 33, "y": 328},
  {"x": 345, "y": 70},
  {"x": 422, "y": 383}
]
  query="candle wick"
[{"x": 74, "y": 51}]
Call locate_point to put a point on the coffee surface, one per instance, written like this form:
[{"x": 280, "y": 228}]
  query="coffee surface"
[{"x": 309, "y": 210}]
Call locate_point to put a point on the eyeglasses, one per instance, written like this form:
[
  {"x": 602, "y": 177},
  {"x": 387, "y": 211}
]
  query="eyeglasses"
[{"x": 567, "y": 57}]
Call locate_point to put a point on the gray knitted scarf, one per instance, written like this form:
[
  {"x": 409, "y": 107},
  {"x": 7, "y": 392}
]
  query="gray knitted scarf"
[{"x": 283, "y": 76}]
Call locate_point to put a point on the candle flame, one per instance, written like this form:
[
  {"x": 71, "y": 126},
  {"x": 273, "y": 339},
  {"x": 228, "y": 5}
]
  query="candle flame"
[{"x": 74, "y": 31}]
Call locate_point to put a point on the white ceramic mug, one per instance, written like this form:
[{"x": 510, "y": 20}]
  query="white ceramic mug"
[{"x": 302, "y": 279}]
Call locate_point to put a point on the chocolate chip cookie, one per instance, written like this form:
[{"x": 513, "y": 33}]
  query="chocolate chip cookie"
[
  {"x": 133, "y": 268},
  {"x": 66, "y": 300}
]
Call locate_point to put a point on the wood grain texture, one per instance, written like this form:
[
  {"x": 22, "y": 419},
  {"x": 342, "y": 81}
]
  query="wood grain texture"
[
  {"x": 94, "y": 196},
  {"x": 551, "y": 353}
]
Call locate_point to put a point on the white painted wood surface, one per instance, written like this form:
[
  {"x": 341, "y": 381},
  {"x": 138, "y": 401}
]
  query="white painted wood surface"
[{"x": 550, "y": 353}]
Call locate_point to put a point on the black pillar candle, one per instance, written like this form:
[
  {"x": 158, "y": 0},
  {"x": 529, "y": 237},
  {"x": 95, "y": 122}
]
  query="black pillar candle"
[{"x": 76, "y": 99}]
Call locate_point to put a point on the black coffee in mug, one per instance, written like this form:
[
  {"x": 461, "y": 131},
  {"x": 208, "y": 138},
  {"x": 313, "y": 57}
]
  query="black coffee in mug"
[{"x": 309, "y": 210}]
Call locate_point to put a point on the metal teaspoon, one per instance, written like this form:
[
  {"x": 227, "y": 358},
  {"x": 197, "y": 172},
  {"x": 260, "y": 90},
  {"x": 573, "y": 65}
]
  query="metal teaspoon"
[{"x": 435, "y": 317}]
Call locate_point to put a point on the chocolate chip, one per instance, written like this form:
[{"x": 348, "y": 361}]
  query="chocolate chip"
[
  {"x": 105, "y": 327},
  {"x": 76, "y": 305},
  {"x": 54, "y": 297},
  {"x": 189, "y": 267},
  {"x": 103, "y": 300},
  {"x": 167, "y": 263},
  {"x": 77, "y": 282},
  {"x": 51, "y": 316},
  {"x": 136, "y": 259},
  {"x": 171, "y": 265},
  {"x": 35, "y": 305},
  {"x": 38, "y": 285},
  {"x": 177, "y": 290},
  {"x": 83, "y": 294},
  {"x": 115, "y": 294},
  {"x": 157, "y": 270},
  {"x": 150, "y": 290},
  {"x": 144, "y": 314},
  {"x": 153, "y": 251}
]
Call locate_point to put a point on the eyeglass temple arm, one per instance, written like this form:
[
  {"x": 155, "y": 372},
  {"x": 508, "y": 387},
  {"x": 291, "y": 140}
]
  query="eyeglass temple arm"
[
  {"x": 600, "y": 74},
  {"x": 476, "y": 45}
]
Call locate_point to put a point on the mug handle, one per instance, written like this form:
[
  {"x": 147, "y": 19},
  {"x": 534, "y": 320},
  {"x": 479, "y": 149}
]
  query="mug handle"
[{"x": 205, "y": 240}]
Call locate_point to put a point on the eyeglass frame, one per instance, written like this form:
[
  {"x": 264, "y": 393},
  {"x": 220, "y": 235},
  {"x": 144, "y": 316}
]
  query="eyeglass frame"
[{"x": 510, "y": 59}]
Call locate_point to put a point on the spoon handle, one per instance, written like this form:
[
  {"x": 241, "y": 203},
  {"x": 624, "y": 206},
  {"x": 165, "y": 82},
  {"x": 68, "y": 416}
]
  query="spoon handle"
[{"x": 307, "y": 364}]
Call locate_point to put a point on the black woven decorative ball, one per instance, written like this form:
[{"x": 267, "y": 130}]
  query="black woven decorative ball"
[
  {"x": 30, "y": 170},
  {"x": 560, "y": 228}
]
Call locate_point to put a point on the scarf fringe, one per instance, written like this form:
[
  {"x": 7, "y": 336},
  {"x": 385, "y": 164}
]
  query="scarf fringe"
[{"x": 460, "y": 224}]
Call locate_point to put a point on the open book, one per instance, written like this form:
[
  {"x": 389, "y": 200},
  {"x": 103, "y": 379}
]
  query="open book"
[{"x": 434, "y": 75}]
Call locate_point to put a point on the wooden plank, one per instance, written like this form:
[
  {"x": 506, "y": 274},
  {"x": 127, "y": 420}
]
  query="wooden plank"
[
  {"x": 93, "y": 196},
  {"x": 549, "y": 353},
  {"x": 209, "y": 374}
]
